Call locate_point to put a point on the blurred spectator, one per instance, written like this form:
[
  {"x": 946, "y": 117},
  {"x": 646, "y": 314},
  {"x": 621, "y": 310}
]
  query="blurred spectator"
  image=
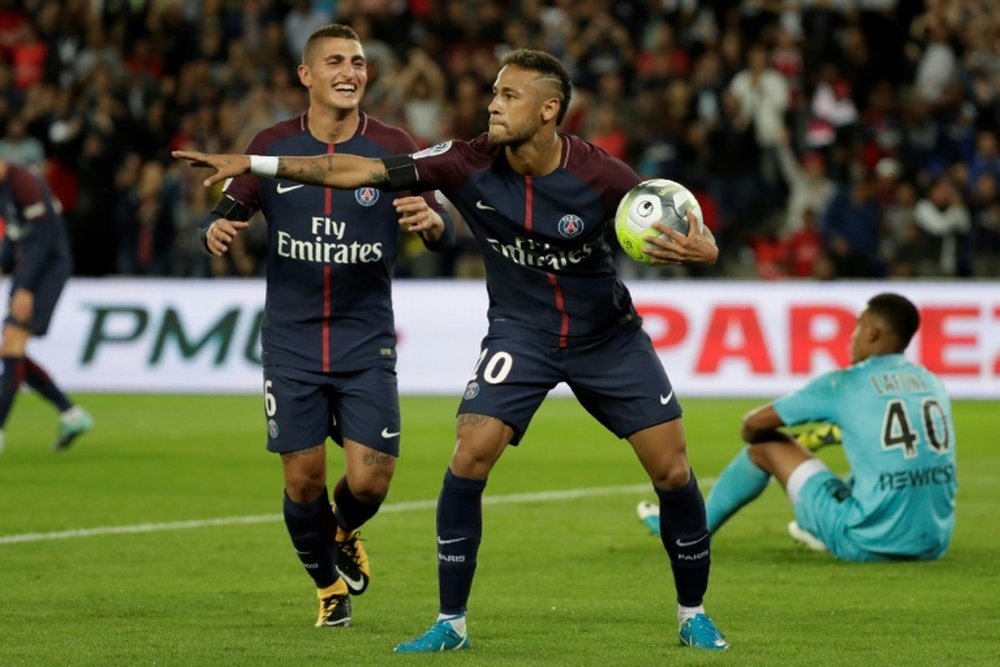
[
  {"x": 851, "y": 225},
  {"x": 421, "y": 85},
  {"x": 938, "y": 64},
  {"x": 732, "y": 177},
  {"x": 833, "y": 110},
  {"x": 145, "y": 219},
  {"x": 20, "y": 147},
  {"x": 985, "y": 210},
  {"x": 902, "y": 239},
  {"x": 809, "y": 189},
  {"x": 763, "y": 97},
  {"x": 303, "y": 20},
  {"x": 605, "y": 131},
  {"x": 945, "y": 221}
]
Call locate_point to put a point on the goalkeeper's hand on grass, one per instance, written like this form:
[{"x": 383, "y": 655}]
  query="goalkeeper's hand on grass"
[{"x": 820, "y": 436}]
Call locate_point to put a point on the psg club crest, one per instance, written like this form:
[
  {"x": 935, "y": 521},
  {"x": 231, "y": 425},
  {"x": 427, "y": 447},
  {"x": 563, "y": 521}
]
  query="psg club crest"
[
  {"x": 366, "y": 196},
  {"x": 272, "y": 428},
  {"x": 472, "y": 390},
  {"x": 570, "y": 226}
]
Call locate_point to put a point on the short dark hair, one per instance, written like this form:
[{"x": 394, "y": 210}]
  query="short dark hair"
[
  {"x": 333, "y": 30},
  {"x": 900, "y": 313},
  {"x": 549, "y": 67}
]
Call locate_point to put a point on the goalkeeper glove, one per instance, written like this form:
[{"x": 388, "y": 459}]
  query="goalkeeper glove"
[{"x": 819, "y": 437}]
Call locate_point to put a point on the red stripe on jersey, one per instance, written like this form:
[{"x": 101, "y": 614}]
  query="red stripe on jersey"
[
  {"x": 556, "y": 290},
  {"x": 327, "y": 278},
  {"x": 529, "y": 194},
  {"x": 560, "y": 306}
]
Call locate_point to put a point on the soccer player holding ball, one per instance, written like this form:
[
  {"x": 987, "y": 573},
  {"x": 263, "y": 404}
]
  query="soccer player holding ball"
[
  {"x": 539, "y": 203},
  {"x": 329, "y": 341}
]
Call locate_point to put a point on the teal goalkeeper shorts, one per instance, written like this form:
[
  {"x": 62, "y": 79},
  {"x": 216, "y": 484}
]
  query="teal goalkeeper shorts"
[{"x": 827, "y": 509}]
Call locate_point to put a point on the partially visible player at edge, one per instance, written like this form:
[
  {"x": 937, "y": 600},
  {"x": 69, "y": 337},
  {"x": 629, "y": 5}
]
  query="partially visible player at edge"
[
  {"x": 328, "y": 337},
  {"x": 896, "y": 424},
  {"x": 539, "y": 202},
  {"x": 35, "y": 252}
]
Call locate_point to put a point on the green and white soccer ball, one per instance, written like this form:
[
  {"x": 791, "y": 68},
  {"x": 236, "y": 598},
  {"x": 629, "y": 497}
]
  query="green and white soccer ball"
[{"x": 656, "y": 200}]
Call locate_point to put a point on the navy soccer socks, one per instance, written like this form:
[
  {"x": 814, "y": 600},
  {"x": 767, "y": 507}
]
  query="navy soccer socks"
[
  {"x": 351, "y": 512},
  {"x": 685, "y": 536},
  {"x": 13, "y": 370},
  {"x": 309, "y": 526},
  {"x": 36, "y": 378},
  {"x": 459, "y": 530}
]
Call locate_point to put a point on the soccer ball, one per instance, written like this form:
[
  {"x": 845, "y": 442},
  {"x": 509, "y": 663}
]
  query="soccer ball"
[{"x": 656, "y": 200}]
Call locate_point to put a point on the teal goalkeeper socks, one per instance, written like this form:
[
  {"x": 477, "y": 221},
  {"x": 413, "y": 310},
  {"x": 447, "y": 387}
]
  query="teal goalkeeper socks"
[{"x": 740, "y": 482}]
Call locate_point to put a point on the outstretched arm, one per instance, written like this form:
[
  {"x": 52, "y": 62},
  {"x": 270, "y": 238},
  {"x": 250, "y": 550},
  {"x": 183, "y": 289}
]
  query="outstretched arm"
[{"x": 342, "y": 171}]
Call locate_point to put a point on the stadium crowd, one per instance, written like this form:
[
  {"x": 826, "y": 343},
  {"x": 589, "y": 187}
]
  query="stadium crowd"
[{"x": 824, "y": 138}]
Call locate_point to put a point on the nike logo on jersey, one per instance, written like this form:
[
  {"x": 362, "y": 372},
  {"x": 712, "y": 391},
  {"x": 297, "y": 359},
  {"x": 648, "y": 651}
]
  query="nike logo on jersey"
[
  {"x": 682, "y": 543},
  {"x": 353, "y": 584},
  {"x": 666, "y": 399},
  {"x": 386, "y": 433},
  {"x": 282, "y": 189},
  {"x": 457, "y": 539},
  {"x": 483, "y": 206}
]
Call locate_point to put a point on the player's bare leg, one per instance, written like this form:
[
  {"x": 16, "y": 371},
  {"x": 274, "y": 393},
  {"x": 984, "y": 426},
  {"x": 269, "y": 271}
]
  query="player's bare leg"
[
  {"x": 662, "y": 450},
  {"x": 481, "y": 441}
]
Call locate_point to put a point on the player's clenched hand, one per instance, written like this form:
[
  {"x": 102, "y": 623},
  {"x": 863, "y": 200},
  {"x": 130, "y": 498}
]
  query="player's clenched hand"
[
  {"x": 415, "y": 215},
  {"x": 221, "y": 233},
  {"x": 698, "y": 247},
  {"x": 225, "y": 166}
]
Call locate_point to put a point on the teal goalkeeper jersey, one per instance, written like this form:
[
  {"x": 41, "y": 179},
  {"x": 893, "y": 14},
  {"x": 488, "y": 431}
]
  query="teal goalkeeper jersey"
[{"x": 899, "y": 439}]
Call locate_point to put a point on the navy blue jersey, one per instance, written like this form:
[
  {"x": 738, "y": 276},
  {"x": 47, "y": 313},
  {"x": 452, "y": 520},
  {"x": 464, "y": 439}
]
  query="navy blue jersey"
[
  {"x": 330, "y": 253},
  {"x": 35, "y": 243},
  {"x": 543, "y": 239}
]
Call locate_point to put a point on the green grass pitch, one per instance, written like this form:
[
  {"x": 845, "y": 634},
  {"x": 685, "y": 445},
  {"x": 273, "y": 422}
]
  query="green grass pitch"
[{"x": 98, "y": 567}]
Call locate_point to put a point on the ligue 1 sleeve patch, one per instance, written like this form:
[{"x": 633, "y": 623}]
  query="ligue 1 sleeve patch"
[{"x": 436, "y": 149}]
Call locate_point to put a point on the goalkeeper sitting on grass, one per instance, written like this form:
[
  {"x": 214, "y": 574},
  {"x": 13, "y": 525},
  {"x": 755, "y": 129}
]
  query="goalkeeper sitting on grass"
[{"x": 892, "y": 417}]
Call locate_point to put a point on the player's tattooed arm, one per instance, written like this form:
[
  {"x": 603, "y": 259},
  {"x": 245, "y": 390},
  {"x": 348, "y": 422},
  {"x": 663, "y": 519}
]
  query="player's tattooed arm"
[{"x": 341, "y": 171}]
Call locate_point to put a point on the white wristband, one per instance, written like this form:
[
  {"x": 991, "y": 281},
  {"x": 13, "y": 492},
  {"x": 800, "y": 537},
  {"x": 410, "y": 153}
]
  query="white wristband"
[{"x": 264, "y": 165}]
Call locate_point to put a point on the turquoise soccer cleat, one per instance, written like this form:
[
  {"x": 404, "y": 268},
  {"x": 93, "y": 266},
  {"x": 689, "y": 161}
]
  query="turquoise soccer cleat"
[
  {"x": 649, "y": 514},
  {"x": 72, "y": 424},
  {"x": 700, "y": 632},
  {"x": 441, "y": 637}
]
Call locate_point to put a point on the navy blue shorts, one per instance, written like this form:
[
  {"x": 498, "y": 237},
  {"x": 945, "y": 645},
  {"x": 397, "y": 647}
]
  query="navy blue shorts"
[
  {"x": 303, "y": 408},
  {"x": 46, "y": 293},
  {"x": 619, "y": 379}
]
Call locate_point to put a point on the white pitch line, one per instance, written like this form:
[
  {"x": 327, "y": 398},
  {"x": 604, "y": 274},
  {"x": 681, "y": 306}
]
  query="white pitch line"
[{"x": 514, "y": 498}]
